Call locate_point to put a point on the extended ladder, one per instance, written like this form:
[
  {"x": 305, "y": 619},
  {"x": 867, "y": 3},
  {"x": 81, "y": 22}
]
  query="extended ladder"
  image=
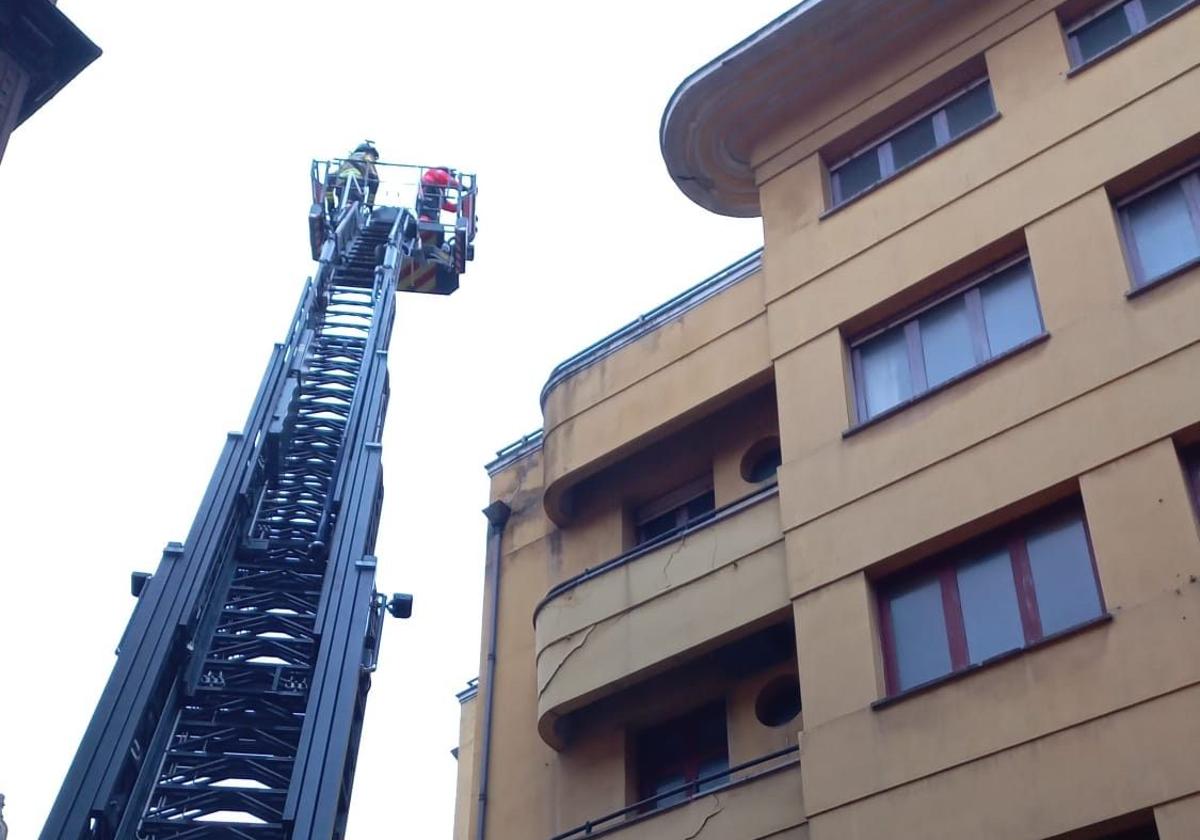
[{"x": 236, "y": 704}]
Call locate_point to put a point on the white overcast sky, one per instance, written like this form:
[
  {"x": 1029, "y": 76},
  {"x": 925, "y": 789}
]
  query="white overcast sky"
[{"x": 153, "y": 245}]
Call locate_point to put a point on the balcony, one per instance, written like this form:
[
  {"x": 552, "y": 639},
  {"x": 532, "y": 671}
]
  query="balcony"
[
  {"x": 757, "y": 799},
  {"x": 694, "y": 354},
  {"x": 657, "y": 606}
]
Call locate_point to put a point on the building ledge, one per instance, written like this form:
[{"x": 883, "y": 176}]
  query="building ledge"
[
  {"x": 50, "y": 48},
  {"x": 470, "y": 691},
  {"x": 652, "y": 320},
  {"x": 953, "y": 676},
  {"x": 515, "y": 451},
  {"x": 717, "y": 120}
]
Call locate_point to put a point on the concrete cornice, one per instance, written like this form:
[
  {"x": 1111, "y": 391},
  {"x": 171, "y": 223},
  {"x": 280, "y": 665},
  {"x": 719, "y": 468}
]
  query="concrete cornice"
[
  {"x": 469, "y": 692},
  {"x": 627, "y": 334},
  {"x": 514, "y": 452},
  {"x": 717, "y": 179}
]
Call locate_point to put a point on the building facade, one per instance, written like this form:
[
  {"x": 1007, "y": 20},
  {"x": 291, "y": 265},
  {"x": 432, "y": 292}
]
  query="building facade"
[
  {"x": 890, "y": 529},
  {"x": 40, "y": 51}
]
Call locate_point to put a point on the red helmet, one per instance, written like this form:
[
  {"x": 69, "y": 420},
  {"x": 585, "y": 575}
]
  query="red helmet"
[{"x": 438, "y": 176}]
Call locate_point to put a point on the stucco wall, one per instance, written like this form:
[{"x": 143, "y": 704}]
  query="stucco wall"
[
  {"x": 465, "y": 788},
  {"x": 1091, "y": 727}
]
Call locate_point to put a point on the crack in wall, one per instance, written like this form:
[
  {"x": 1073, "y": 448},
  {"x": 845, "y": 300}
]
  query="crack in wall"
[
  {"x": 671, "y": 558},
  {"x": 563, "y": 661},
  {"x": 718, "y": 808},
  {"x": 712, "y": 560}
]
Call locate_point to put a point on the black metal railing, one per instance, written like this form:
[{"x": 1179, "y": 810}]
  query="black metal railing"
[{"x": 691, "y": 790}]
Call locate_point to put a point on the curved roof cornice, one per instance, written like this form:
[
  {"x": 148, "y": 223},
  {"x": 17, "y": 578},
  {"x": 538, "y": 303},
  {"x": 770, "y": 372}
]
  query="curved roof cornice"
[
  {"x": 714, "y": 126},
  {"x": 702, "y": 162}
]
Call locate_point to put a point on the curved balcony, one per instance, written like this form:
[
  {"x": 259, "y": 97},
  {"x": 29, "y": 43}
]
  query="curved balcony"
[
  {"x": 686, "y": 357},
  {"x": 757, "y": 799},
  {"x": 657, "y": 606}
]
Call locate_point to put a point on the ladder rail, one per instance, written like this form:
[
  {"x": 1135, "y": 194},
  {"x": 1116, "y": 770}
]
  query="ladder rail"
[{"x": 235, "y": 706}]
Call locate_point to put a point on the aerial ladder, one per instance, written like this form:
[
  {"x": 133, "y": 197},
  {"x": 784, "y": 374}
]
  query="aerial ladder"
[{"x": 235, "y": 706}]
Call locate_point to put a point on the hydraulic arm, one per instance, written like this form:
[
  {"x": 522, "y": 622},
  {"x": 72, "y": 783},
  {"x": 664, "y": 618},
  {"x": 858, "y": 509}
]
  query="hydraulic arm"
[{"x": 235, "y": 706}]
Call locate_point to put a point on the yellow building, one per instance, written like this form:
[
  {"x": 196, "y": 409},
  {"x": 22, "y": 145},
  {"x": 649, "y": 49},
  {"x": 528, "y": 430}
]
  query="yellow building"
[{"x": 889, "y": 530}]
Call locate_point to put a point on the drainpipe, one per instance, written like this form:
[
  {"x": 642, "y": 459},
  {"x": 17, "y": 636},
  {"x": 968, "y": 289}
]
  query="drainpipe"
[{"x": 497, "y": 514}]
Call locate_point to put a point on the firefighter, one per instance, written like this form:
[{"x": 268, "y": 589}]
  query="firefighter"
[
  {"x": 431, "y": 201},
  {"x": 431, "y": 197},
  {"x": 356, "y": 178}
]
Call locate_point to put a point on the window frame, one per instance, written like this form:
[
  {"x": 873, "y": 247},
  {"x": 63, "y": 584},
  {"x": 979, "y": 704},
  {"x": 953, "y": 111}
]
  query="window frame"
[
  {"x": 969, "y": 290},
  {"x": 1135, "y": 16},
  {"x": 1012, "y": 538},
  {"x": 1189, "y": 178},
  {"x": 676, "y": 501},
  {"x": 882, "y": 143}
]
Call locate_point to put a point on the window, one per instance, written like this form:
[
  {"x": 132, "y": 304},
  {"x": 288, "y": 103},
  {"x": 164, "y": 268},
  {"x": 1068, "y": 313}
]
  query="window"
[
  {"x": 1113, "y": 24},
  {"x": 955, "y": 334},
  {"x": 1161, "y": 227},
  {"x": 1190, "y": 458},
  {"x": 913, "y": 141},
  {"x": 682, "y": 757},
  {"x": 674, "y": 511},
  {"x": 1003, "y": 593}
]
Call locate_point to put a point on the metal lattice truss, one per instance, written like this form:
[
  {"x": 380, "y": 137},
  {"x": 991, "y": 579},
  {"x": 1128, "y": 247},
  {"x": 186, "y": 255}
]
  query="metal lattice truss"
[
  {"x": 235, "y": 707},
  {"x": 234, "y": 743}
]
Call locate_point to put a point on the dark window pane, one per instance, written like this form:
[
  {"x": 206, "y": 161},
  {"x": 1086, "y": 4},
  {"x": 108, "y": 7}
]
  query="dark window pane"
[
  {"x": 680, "y": 752},
  {"x": 1062, "y": 575},
  {"x": 1102, "y": 32},
  {"x": 669, "y": 783},
  {"x": 887, "y": 379},
  {"x": 707, "y": 768},
  {"x": 970, "y": 109},
  {"x": 913, "y": 142},
  {"x": 1163, "y": 231},
  {"x": 1010, "y": 310},
  {"x": 765, "y": 466},
  {"x": 658, "y": 526},
  {"x": 919, "y": 633},
  {"x": 699, "y": 506},
  {"x": 856, "y": 174},
  {"x": 1155, "y": 9},
  {"x": 946, "y": 341},
  {"x": 989, "y": 604}
]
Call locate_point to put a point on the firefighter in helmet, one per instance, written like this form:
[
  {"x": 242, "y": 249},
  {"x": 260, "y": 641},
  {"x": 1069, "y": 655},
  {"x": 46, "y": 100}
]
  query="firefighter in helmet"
[
  {"x": 432, "y": 199},
  {"x": 356, "y": 179}
]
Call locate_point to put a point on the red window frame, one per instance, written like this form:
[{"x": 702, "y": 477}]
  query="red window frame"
[
  {"x": 944, "y": 568},
  {"x": 680, "y": 747},
  {"x": 970, "y": 290}
]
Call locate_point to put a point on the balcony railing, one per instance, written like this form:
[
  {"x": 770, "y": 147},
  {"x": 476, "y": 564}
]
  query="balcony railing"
[
  {"x": 637, "y": 551},
  {"x": 648, "y": 808}
]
